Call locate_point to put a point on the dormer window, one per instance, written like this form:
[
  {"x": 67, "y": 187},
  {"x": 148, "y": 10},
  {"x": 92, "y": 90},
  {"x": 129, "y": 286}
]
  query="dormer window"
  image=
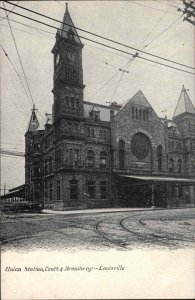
[
  {"x": 94, "y": 114},
  {"x": 71, "y": 34}
]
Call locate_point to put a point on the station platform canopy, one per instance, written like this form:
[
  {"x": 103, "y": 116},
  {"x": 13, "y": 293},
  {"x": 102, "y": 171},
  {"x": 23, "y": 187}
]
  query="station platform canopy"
[{"x": 161, "y": 179}]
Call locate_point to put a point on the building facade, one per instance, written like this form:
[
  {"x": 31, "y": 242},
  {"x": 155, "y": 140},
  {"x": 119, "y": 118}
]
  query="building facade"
[{"x": 93, "y": 155}]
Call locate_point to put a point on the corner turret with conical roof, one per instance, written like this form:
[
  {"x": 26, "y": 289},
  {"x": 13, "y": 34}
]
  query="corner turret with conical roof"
[
  {"x": 184, "y": 104},
  {"x": 184, "y": 115},
  {"x": 33, "y": 124}
]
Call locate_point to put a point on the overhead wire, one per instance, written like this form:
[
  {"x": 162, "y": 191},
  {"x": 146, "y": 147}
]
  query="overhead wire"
[
  {"x": 111, "y": 47},
  {"x": 10, "y": 12},
  {"x": 21, "y": 64},
  {"x": 101, "y": 49},
  {"x": 154, "y": 27},
  {"x": 16, "y": 106},
  {"x": 157, "y": 9},
  {"x": 167, "y": 28},
  {"x": 137, "y": 53},
  {"x": 7, "y": 56},
  {"x": 86, "y": 31},
  {"x": 95, "y": 47}
]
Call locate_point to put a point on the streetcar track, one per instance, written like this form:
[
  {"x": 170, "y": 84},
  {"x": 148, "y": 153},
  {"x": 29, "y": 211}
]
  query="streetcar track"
[
  {"x": 106, "y": 238},
  {"x": 152, "y": 235}
]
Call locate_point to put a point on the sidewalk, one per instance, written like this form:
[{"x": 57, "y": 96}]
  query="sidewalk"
[{"x": 94, "y": 210}]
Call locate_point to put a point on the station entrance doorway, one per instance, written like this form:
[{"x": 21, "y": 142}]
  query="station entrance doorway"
[{"x": 140, "y": 193}]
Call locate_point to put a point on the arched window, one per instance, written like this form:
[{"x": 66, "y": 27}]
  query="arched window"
[
  {"x": 103, "y": 159},
  {"x": 121, "y": 147},
  {"x": 159, "y": 157},
  {"x": 179, "y": 162},
  {"x": 73, "y": 189},
  {"x": 90, "y": 158},
  {"x": 171, "y": 165}
]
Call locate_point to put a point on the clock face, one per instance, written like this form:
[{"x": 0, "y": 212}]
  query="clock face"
[
  {"x": 70, "y": 56},
  {"x": 57, "y": 59}
]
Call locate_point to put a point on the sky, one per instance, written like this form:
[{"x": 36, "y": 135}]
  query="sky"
[{"x": 157, "y": 25}]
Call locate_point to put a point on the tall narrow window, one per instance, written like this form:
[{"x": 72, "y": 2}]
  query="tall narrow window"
[
  {"x": 103, "y": 158},
  {"x": 159, "y": 157},
  {"x": 121, "y": 154},
  {"x": 91, "y": 189},
  {"x": 46, "y": 166},
  {"x": 103, "y": 189},
  {"x": 171, "y": 165},
  {"x": 92, "y": 132},
  {"x": 58, "y": 158},
  {"x": 50, "y": 192},
  {"x": 90, "y": 158},
  {"x": 88, "y": 132},
  {"x": 179, "y": 162},
  {"x": 58, "y": 190},
  {"x": 73, "y": 189},
  {"x": 140, "y": 114},
  {"x": 132, "y": 112},
  {"x": 180, "y": 188},
  {"x": 76, "y": 157},
  {"x": 144, "y": 115},
  {"x": 147, "y": 115},
  {"x": 172, "y": 190},
  {"x": 46, "y": 193},
  {"x": 50, "y": 164},
  {"x": 136, "y": 113}
]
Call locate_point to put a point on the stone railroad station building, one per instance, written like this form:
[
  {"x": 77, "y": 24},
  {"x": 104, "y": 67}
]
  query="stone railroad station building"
[{"x": 93, "y": 155}]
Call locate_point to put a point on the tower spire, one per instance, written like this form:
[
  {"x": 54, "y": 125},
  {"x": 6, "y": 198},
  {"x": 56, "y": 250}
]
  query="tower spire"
[{"x": 68, "y": 26}]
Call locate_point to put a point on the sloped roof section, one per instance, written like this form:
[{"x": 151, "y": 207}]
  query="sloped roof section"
[
  {"x": 184, "y": 104},
  {"x": 67, "y": 25},
  {"x": 138, "y": 99}
]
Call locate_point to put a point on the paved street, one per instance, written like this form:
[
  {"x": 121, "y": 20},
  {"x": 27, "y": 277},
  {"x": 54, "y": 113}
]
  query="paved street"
[{"x": 123, "y": 230}]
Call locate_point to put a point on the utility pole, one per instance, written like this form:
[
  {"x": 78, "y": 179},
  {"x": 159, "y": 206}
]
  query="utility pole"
[{"x": 188, "y": 11}]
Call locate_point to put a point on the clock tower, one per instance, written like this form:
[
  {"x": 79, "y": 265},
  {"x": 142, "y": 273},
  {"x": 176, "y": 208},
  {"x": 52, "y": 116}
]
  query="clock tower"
[{"x": 68, "y": 73}]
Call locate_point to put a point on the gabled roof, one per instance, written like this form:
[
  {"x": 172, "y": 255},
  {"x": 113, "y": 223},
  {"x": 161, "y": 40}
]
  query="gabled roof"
[
  {"x": 138, "y": 99},
  {"x": 67, "y": 25},
  {"x": 184, "y": 104}
]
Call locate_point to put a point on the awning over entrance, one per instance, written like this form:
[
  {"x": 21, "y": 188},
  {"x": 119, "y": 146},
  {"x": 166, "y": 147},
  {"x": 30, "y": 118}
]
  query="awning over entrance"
[{"x": 160, "y": 178}]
